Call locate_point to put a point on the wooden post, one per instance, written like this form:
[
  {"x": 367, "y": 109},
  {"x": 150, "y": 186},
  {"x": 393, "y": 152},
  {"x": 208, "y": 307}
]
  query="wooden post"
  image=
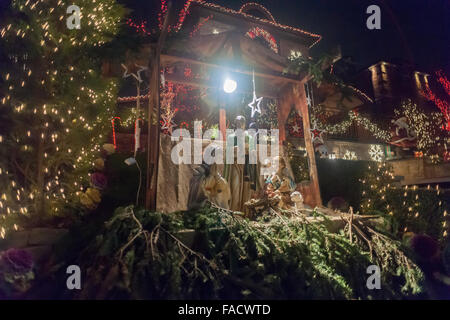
[
  {"x": 285, "y": 102},
  {"x": 153, "y": 140},
  {"x": 301, "y": 104},
  {"x": 223, "y": 123}
]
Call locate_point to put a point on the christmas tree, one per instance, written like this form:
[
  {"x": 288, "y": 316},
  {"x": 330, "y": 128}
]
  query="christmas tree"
[
  {"x": 55, "y": 106},
  {"x": 407, "y": 208}
]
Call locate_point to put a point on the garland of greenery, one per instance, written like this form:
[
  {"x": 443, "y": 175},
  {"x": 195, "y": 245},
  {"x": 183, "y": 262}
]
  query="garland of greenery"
[
  {"x": 298, "y": 64},
  {"x": 144, "y": 255},
  {"x": 344, "y": 124}
]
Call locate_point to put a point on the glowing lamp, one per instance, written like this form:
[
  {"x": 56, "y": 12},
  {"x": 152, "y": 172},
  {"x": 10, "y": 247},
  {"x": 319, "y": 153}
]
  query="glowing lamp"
[{"x": 229, "y": 85}]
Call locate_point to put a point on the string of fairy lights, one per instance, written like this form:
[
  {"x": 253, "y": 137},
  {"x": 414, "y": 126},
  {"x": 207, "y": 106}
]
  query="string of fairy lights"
[
  {"x": 57, "y": 122},
  {"x": 379, "y": 183},
  {"x": 353, "y": 116},
  {"x": 200, "y": 24},
  {"x": 50, "y": 68},
  {"x": 427, "y": 127},
  {"x": 260, "y": 32},
  {"x": 187, "y": 4},
  {"x": 185, "y": 10}
]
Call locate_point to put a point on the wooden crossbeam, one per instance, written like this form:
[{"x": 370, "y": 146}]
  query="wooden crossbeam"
[
  {"x": 167, "y": 59},
  {"x": 210, "y": 85}
]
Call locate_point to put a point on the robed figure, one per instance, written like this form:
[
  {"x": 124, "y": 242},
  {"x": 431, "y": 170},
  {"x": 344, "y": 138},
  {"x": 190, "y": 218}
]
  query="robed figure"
[{"x": 242, "y": 177}]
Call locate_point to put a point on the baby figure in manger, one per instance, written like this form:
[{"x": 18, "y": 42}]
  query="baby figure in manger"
[
  {"x": 282, "y": 174},
  {"x": 281, "y": 184}
]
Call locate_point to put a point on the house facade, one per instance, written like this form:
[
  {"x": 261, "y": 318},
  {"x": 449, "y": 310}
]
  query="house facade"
[{"x": 388, "y": 85}]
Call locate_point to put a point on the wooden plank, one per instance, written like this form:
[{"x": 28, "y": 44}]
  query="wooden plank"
[
  {"x": 167, "y": 59},
  {"x": 223, "y": 123},
  {"x": 301, "y": 104},
  {"x": 210, "y": 85}
]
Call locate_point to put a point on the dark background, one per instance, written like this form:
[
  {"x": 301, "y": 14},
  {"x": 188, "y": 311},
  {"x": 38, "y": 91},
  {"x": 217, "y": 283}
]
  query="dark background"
[{"x": 417, "y": 31}]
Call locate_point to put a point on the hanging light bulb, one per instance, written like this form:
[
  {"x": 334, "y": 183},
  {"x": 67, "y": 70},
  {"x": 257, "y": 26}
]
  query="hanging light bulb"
[{"x": 229, "y": 85}]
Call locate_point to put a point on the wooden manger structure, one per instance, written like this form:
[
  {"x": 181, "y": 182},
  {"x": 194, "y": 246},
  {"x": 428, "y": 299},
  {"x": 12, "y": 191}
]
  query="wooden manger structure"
[{"x": 221, "y": 41}]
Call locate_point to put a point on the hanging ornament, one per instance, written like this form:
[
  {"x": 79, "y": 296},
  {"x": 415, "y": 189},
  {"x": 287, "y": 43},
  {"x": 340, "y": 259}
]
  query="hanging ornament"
[
  {"x": 132, "y": 69},
  {"x": 252, "y": 104},
  {"x": 255, "y": 100},
  {"x": 295, "y": 125},
  {"x": 316, "y": 134},
  {"x": 296, "y": 128},
  {"x": 167, "y": 123},
  {"x": 376, "y": 152},
  {"x": 309, "y": 93}
]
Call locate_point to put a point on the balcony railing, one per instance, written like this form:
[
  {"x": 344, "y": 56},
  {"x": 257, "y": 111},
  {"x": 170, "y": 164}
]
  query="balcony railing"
[{"x": 354, "y": 133}]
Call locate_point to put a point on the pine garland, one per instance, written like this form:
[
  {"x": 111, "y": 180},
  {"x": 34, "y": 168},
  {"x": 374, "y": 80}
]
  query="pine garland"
[{"x": 143, "y": 255}]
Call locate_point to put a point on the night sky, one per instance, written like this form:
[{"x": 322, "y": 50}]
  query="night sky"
[{"x": 414, "y": 30}]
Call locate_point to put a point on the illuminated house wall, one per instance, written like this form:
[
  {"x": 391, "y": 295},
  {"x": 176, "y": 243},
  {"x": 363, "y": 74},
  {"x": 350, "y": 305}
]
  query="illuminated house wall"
[{"x": 390, "y": 83}]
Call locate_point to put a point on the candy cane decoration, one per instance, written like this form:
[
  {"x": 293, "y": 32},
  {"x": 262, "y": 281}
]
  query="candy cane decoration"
[
  {"x": 137, "y": 136},
  {"x": 114, "y": 130}
]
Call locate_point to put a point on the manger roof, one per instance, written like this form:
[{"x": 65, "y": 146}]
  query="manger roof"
[{"x": 309, "y": 38}]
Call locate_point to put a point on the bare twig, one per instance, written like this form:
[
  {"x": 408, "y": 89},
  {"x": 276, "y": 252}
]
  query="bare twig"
[{"x": 350, "y": 225}]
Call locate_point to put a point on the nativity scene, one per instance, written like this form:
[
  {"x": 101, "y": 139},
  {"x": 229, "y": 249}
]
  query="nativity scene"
[{"x": 210, "y": 154}]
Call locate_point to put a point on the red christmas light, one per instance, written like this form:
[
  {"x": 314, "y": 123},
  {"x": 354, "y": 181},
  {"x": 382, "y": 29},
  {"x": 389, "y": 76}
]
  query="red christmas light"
[
  {"x": 200, "y": 24},
  {"x": 259, "y": 32},
  {"x": 185, "y": 11},
  {"x": 447, "y": 156},
  {"x": 162, "y": 13},
  {"x": 316, "y": 133},
  {"x": 139, "y": 27},
  {"x": 188, "y": 72},
  {"x": 443, "y": 81},
  {"x": 443, "y": 106},
  {"x": 184, "y": 125},
  {"x": 251, "y": 5}
]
